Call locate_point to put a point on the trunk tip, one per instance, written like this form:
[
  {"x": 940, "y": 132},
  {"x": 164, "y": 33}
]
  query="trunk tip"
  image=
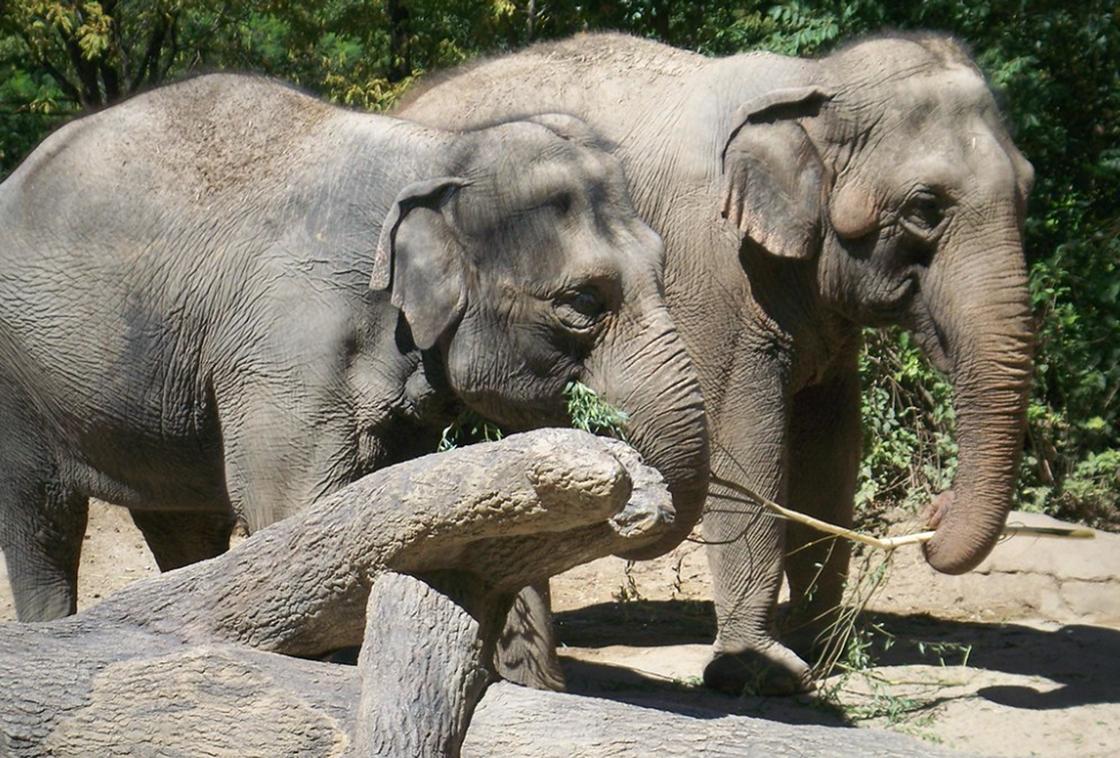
[{"x": 958, "y": 546}]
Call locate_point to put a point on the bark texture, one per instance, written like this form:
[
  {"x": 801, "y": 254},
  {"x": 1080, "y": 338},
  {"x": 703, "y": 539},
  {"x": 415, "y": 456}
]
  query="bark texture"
[{"x": 419, "y": 563}]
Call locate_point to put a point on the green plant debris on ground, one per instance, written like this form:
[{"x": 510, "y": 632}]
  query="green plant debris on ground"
[{"x": 848, "y": 670}]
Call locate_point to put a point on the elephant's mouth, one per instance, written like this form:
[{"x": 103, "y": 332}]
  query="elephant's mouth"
[
  {"x": 513, "y": 416},
  {"x": 930, "y": 337},
  {"x": 895, "y": 303}
]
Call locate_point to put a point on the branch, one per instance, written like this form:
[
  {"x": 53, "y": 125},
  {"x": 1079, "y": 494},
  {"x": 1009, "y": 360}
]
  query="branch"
[
  {"x": 151, "y": 54},
  {"x": 528, "y": 507},
  {"x": 89, "y": 93},
  {"x": 172, "y": 50},
  {"x": 889, "y": 543}
]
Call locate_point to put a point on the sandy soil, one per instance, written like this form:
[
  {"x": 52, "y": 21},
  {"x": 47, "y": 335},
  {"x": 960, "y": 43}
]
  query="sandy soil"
[{"x": 1021, "y": 657}]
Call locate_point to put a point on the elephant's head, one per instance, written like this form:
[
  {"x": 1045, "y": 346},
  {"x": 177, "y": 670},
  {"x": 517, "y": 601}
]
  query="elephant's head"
[
  {"x": 527, "y": 269},
  {"x": 887, "y": 167}
]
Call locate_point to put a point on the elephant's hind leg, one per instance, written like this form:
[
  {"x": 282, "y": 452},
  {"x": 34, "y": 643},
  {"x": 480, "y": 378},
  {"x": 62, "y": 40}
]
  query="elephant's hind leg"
[
  {"x": 526, "y": 653},
  {"x": 824, "y": 465},
  {"x": 180, "y": 538}
]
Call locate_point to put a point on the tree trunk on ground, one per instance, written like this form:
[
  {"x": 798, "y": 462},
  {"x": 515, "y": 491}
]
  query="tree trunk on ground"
[{"x": 419, "y": 562}]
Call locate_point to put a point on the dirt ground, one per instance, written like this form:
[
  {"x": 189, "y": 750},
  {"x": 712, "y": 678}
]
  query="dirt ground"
[{"x": 1021, "y": 657}]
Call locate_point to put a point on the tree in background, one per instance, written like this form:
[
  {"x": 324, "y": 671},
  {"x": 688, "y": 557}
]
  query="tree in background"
[{"x": 1058, "y": 63}]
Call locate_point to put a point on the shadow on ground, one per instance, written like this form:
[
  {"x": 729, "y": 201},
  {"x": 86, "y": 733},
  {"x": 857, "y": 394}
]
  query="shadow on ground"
[
  {"x": 1083, "y": 660},
  {"x": 647, "y": 624},
  {"x": 639, "y": 623},
  {"x": 615, "y": 682}
]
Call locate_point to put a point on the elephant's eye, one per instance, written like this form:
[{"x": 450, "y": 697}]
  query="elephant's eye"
[
  {"x": 580, "y": 309},
  {"x": 562, "y": 203},
  {"x": 922, "y": 214}
]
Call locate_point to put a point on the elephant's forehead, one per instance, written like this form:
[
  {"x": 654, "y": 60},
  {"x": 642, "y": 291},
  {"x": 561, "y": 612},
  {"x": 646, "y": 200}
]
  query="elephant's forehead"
[
  {"x": 554, "y": 168},
  {"x": 932, "y": 96},
  {"x": 571, "y": 178}
]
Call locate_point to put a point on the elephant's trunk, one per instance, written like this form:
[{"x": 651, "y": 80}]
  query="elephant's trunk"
[
  {"x": 989, "y": 342},
  {"x": 654, "y": 381}
]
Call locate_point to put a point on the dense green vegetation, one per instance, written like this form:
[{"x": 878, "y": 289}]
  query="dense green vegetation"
[{"x": 1056, "y": 63}]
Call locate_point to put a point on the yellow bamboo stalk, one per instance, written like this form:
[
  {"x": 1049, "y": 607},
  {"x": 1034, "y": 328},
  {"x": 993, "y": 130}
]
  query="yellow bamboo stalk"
[{"x": 890, "y": 543}]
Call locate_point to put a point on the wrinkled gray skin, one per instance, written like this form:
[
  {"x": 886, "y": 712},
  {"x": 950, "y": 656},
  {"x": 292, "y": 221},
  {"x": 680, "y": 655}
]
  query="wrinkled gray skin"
[
  {"x": 799, "y": 201},
  {"x": 227, "y": 299}
]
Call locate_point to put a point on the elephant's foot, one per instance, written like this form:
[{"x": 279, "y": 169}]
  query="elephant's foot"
[{"x": 774, "y": 670}]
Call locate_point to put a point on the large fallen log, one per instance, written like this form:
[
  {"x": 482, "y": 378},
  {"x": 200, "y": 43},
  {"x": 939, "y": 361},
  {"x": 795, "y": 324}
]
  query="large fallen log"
[{"x": 419, "y": 563}]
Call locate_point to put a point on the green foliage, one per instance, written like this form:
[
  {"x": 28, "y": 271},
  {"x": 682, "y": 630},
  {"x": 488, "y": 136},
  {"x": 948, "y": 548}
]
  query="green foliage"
[
  {"x": 1055, "y": 62},
  {"x": 591, "y": 413},
  {"x": 909, "y": 449},
  {"x": 467, "y": 429},
  {"x": 848, "y": 673},
  {"x": 586, "y": 411},
  {"x": 1090, "y": 493}
]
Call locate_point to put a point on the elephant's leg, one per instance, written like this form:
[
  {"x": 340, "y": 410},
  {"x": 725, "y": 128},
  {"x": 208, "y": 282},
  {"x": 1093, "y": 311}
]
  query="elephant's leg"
[
  {"x": 42, "y": 530},
  {"x": 823, "y": 468},
  {"x": 281, "y": 452},
  {"x": 180, "y": 538},
  {"x": 746, "y": 543},
  {"x": 42, "y": 519},
  {"x": 745, "y": 548},
  {"x": 526, "y": 653}
]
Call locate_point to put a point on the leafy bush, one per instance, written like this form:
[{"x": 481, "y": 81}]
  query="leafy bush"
[{"x": 909, "y": 451}]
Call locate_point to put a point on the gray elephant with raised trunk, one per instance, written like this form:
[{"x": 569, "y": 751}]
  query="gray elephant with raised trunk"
[
  {"x": 800, "y": 201},
  {"x": 225, "y": 298}
]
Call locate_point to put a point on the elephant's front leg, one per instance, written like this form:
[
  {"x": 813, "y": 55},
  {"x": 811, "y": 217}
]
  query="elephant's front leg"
[
  {"x": 824, "y": 453},
  {"x": 283, "y": 451},
  {"x": 746, "y": 544}
]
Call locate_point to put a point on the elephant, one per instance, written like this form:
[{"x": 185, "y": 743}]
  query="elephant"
[
  {"x": 800, "y": 201},
  {"x": 225, "y": 299}
]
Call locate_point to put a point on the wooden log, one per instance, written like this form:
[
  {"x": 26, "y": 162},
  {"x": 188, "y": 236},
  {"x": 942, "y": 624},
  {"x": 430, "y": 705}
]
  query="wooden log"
[
  {"x": 232, "y": 702},
  {"x": 419, "y": 700},
  {"x": 198, "y": 661},
  {"x": 474, "y": 525},
  {"x": 514, "y": 721},
  {"x": 508, "y": 513}
]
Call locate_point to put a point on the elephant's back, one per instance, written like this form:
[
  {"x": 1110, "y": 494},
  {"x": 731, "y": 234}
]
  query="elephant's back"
[
  {"x": 192, "y": 142},
  {"x": 610, "y": 80},
  {"x": 195, "y": 181},
  {"x": 618, "y": 52}
]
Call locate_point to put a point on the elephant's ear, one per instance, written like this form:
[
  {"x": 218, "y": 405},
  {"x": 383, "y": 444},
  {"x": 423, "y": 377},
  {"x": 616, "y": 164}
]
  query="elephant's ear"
[
  {"x": 773, "y": 175},
  {"x": 419, "y": 257}
]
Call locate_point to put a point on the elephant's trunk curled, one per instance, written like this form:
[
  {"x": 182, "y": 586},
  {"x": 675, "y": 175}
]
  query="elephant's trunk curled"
[
  {"x": 658, "y": 388},
  {"x": 991, "y": 353}
]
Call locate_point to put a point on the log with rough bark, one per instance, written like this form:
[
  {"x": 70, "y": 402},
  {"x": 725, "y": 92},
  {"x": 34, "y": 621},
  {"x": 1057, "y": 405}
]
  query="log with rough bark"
[{"x": 418, "y": 563}]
